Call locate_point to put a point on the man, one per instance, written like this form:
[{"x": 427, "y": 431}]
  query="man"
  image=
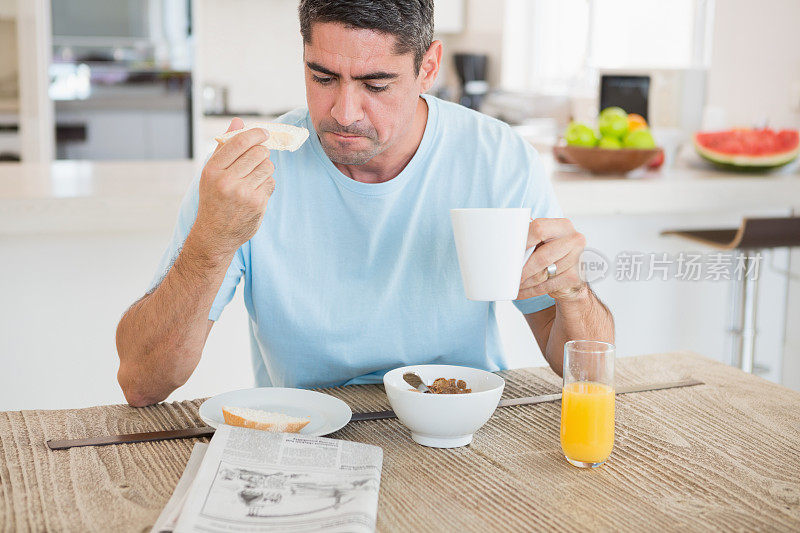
[{"x": 345, "y": 246}]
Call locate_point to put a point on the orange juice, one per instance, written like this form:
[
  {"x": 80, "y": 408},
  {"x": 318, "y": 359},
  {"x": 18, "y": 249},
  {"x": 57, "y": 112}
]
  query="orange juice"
[{"x": 587, "y": 421}]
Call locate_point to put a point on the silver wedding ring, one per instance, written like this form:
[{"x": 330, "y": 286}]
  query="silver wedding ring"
[{"x": 551, "y": 271}]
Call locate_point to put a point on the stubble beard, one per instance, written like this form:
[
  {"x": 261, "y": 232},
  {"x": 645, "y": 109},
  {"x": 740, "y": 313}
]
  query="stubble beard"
[{"x": 344, "y": 156}]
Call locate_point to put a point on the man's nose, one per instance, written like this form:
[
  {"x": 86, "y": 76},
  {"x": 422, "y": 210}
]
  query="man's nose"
[{"x": 347, "y": 107}]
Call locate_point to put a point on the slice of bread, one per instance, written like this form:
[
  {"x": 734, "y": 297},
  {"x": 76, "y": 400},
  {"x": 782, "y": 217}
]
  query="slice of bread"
[
  {"x": 281, "y": 136},
  {"x": 264, "y": 420}
]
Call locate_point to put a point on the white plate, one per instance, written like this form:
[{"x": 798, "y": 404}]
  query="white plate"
[{"x": 327, "y": 414}]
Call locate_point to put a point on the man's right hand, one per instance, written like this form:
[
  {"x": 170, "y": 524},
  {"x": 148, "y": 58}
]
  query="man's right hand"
[
  {"x": 235, "y": 186},
  {"x": 160, "y": 338}
]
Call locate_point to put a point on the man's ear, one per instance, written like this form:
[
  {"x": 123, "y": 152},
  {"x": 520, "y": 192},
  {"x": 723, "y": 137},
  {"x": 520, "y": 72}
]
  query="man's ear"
[{"x": 429, "y": 68}]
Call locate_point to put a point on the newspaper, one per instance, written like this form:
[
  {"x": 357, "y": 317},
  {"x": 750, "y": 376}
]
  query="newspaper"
[
  {"x": 172, "y": 511},
  {"x": 253, "y": 480}
]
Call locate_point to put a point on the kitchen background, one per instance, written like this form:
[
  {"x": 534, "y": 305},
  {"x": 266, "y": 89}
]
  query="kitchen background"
[{"x": 127, "y": 96}]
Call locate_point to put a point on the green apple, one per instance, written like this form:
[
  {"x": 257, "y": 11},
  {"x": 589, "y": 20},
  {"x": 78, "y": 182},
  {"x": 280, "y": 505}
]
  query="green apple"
[
  {"x": 578, "y": 134},
  {"x": 639, "y": 139},
  {"x": 613, "y": 123},
  {"x": 609, "y": 143},
  {"x": 613, "y": 111}
]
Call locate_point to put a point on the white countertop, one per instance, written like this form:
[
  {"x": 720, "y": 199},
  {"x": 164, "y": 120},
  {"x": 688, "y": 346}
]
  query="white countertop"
[
  {"x": 93, "y": 197},
  {"x": 82, "y": 196},
  {"x": 692, "y": 186}
]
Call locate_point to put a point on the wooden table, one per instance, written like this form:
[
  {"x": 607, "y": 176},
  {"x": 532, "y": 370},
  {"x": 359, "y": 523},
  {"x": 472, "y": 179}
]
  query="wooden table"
[{"x": 724, "y": 455}]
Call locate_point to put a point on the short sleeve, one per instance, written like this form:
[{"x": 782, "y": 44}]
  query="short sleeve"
[
  {"x": 228, "y": 287},
  {"x": 186, "y": 218},
  {"x": 541, "y": 198}
]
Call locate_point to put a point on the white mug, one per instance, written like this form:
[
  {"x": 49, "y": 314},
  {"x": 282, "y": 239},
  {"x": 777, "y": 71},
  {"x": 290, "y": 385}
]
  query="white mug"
[{"x": 490, "y": 243}]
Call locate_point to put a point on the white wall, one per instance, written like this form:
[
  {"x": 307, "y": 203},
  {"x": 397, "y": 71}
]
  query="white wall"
[
  {"x": 254, "y": 48},
  {"x": 755, "y": 62}
]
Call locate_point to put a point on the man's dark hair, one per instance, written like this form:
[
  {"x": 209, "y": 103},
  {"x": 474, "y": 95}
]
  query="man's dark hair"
[{"x": 410, "y": 21}]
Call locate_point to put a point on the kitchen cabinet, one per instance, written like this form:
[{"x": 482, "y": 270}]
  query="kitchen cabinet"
[
  {"x": 128, "y": 121},
  {"x": 127, "y": 134}
]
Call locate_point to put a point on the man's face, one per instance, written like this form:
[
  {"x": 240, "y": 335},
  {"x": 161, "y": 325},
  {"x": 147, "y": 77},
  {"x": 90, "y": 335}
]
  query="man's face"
[{"x": 361, "y": 95}]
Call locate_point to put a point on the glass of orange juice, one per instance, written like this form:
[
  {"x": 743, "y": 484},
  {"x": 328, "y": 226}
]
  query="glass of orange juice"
[{"x": 587, "y": 403}]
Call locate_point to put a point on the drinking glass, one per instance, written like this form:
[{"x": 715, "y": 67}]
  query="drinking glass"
[{"x": 587, "y": 402}]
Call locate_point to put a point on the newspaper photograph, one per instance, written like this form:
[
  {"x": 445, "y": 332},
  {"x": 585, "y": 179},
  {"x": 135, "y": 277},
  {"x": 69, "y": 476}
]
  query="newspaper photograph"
[{"x": 260, "y": 481}]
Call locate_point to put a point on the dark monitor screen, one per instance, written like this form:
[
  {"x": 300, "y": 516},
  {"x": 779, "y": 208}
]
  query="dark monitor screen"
[{"x": 628, "y": 92}]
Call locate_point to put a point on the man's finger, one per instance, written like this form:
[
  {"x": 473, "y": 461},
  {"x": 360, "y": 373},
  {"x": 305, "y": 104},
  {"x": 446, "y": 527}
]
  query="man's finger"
[
  {"x": 260, "y": 174},
  {"x": 545, "y": 229},
  {"x": 236, "y": 124},
  {"x": 267, "y": 187},
  {"x": 562, "y": 265},
  {"x": 570, "y": 278},
  {"x": 248, "y": 161},
  {"x": 548, "y": 253},
  {"x": 236, "y": 146}
]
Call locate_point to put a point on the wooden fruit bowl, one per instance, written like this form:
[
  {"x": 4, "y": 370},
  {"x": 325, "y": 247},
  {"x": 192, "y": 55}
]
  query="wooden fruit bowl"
[{"x": 604, "y": 161}]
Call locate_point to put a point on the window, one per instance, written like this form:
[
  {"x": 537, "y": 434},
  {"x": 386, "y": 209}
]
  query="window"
[{"x": 555, "y": 47}]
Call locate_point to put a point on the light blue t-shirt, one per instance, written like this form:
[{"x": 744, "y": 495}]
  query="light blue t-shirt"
[{"x": 346, "y": 280}]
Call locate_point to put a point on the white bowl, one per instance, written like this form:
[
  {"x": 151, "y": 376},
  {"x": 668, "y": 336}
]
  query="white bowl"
[{"x": 443, "y": 420}]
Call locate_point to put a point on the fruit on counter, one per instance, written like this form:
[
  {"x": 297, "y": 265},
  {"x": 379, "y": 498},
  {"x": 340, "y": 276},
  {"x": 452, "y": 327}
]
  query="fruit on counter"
[
  {"x": 640, "y": 139},
  {"x": 636, "y": 122},
  {"x": 619, "y": 131},
  {"x": 625, "y": 143},
  {"x": 748, "y": 149},
  {"x": 613, "y": 122},
  {"x": 613, "y": 110},
  {"x": 609, "y": 143},
  {"x": 578, "y": 134},
  {"x": 657, "y": 160}
]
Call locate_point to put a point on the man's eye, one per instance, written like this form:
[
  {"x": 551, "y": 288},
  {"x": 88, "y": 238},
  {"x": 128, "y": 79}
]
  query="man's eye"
[
  {"x": 322, "y": 81},
  {"x": 376, "y": 88}
]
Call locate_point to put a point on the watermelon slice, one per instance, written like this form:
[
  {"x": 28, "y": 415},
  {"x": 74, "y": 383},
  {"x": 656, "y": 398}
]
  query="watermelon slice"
[{"x": 745, "y": 149}]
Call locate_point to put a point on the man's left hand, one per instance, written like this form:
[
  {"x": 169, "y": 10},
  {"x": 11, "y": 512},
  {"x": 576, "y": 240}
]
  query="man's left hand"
[{"x": 557, "y": 242}]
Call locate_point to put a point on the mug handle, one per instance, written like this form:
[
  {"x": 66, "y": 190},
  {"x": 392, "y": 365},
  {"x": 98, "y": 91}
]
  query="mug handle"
[
  {"x": 528, "y": 254},
  {"x": 529, "y": 251}
]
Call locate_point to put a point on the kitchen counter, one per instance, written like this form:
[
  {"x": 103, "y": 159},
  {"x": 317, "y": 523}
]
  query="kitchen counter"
[
  {"x": 92, "y": 197},
  {"x": 83, "y": 196},
  {"x": 692, "y": 186}
]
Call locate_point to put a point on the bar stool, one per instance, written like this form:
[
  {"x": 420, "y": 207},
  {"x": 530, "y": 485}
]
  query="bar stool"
[{"x": 754, "y": 235}]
